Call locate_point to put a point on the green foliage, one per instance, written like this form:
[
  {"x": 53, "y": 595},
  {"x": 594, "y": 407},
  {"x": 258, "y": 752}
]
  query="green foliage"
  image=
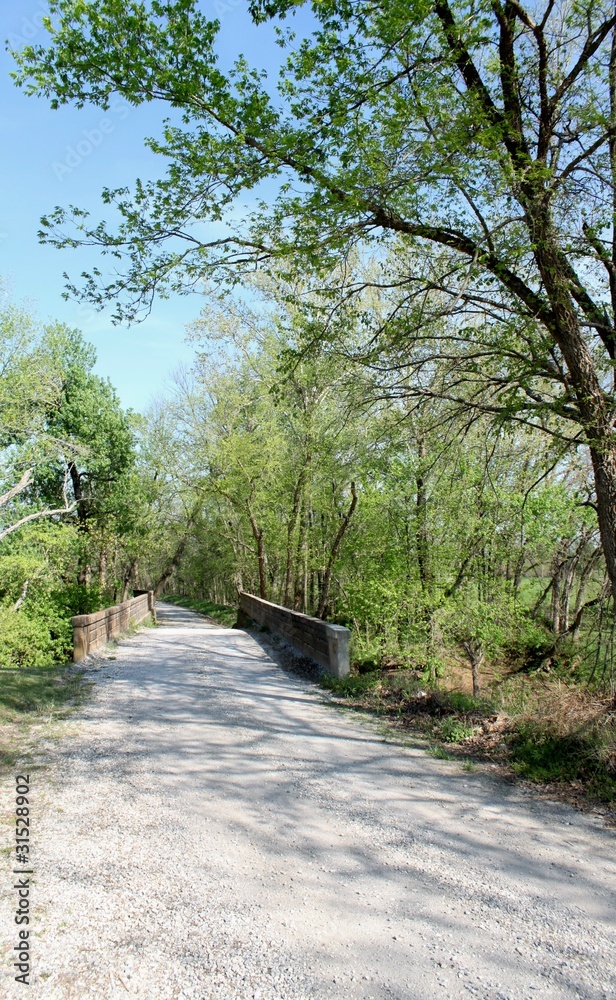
[
  {"x": 24, "y": 641},
  {"x": 39, "y": 632},
  {"x": 454, "y": 730},
  {"x": 39, "y": 691},
  {"x": 352, "y": 685},
  {"x": 70, "y": 492},
  {"x": 465, "y": 704},
  {"x": 539, "y": 755},
  {"x": 440, "y": 753}
]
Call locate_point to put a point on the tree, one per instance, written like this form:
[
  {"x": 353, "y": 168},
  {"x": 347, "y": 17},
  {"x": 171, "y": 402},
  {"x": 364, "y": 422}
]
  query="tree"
[
  {"x": 484, "y": 132},
  {"x": 30, "y": 390}
]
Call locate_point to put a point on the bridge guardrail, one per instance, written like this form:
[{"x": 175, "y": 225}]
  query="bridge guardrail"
[
  {"x": 321, "y": 641},
  {"x": 92, "y": 631}
]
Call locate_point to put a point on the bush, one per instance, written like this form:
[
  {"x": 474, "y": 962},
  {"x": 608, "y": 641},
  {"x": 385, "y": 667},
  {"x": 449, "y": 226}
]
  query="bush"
[
  {"x": 26, "y": 641},
  {"x": 455, "y": 730},
  {"x": 465, "y": 704},
  {"x": 543, "y": 756}
]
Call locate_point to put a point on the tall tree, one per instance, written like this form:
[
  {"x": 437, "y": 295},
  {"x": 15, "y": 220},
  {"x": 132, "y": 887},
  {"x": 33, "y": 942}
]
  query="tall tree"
[{"x": 485, "y": 131}]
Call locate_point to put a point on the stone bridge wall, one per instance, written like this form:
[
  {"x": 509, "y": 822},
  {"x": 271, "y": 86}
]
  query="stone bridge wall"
[
  {"x": 327, "y": 644},
  {"x": 92, "y": 631}
]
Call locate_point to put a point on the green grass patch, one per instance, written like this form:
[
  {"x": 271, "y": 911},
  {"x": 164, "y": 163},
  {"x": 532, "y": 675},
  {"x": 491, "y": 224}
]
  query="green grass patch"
[
  {"x": 29, "y": 692},
  {"x": 352, "y": 685},
  {"x": 541, "y": 731},
  {"x": 440, "y": 753},
  {"x": 545, "y": 757},
  {"x": 221, "y": 613},
  {"x": 465, "y": 704},
  {"x": 454, "y": 730},
  {"x": 34, "y": 703}
]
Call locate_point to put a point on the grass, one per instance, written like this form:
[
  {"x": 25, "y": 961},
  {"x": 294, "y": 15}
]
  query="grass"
[
  {"x": 351, "y": 685},
  {"x": 440, "y": 753},
  {"x": 32, "y": 701},
  {"x": 31, "y": 692},
  {"x": 221, "y": 613},
  {"x": 455, "y": 730},
  {"x": 581, "y": 758}
]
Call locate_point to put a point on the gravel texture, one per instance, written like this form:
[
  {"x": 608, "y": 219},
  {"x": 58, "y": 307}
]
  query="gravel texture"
[{"x": 211, "y": 829}]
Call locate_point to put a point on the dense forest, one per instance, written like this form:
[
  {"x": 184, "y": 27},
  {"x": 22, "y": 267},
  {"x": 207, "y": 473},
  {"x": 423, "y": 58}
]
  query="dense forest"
[{"x": 401, "y": 412}]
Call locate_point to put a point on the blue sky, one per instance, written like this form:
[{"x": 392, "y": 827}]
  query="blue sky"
[{"x": 66, "y": 157}]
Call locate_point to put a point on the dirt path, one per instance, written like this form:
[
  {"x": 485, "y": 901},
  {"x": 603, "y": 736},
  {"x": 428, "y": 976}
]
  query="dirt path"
[{"x": 213, "y": 830}]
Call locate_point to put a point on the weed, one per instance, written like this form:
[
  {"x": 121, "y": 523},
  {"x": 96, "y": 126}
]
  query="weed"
[
  {"x": 543, "y": 756},
  {"x": 32, "y": 700},
  {"x": 440, "y": 753},
  {"x": 454, "y": 730},
  {"x": 352, "y": 684},
  {"x": 39, "y": 690},
  {"x": 465, "y": 704},
  {"x": 469, "y": 765}
]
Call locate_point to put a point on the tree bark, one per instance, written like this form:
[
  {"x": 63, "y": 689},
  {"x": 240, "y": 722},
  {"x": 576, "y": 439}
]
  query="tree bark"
[
  {"x": 177, "y": 555},
  {"x": 292, "y": 527},
  {"x": 596, "y": 411},
  {"x": 475, "y": 655},
  {"x": 129, "y": 577},
  {"x": 327, "y": 576},
  {"x": 261, "y": 556},
  {"x": 422, "y": 538}
]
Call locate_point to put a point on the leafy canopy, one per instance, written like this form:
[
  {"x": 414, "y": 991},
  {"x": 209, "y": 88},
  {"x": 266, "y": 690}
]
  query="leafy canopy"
[{"x": 452, "y": 123}]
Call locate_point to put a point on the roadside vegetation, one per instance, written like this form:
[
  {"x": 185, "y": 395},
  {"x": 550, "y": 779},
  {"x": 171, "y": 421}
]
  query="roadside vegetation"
[
  {"x": 35, "y": 704},
  {"x": 542, "y": 729}
]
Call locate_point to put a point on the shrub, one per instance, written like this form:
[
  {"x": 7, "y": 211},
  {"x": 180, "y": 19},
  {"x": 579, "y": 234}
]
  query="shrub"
[
  {"x": 25, "y": 641},
  {"x": 540, "y": 755},
  {"x": 352, "y": 684},
  {"x": 455, "y": 730}
]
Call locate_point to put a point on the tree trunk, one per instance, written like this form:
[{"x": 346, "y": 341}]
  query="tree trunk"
[
  {"x": 558, "y": 571},
  {"x": 475, "y": 655},
  {"x": 327, "y": 576},
  {"x": 129, "y": 578},
  {"x": 604, "y": 465},
  {"x": 422, "y": 539},
  {"x": 300, "y": 596},
  {"x": 176, "y": 558},
  {"x": 261, "y": 556},
  {"x": 596, "y": 410},
  {"x": 585, "y": 575},
  {"x": 292, "y": 527}
]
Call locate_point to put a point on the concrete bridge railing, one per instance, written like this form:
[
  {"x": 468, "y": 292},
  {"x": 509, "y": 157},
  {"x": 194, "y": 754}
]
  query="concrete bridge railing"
[
  {"x": 92, "y": 631},
  {"x": 327, "y": 644}
]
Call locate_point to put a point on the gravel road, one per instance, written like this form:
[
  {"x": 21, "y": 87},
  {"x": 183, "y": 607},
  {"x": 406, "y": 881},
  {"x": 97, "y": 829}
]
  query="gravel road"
[{"x": 212, "y": 829}]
